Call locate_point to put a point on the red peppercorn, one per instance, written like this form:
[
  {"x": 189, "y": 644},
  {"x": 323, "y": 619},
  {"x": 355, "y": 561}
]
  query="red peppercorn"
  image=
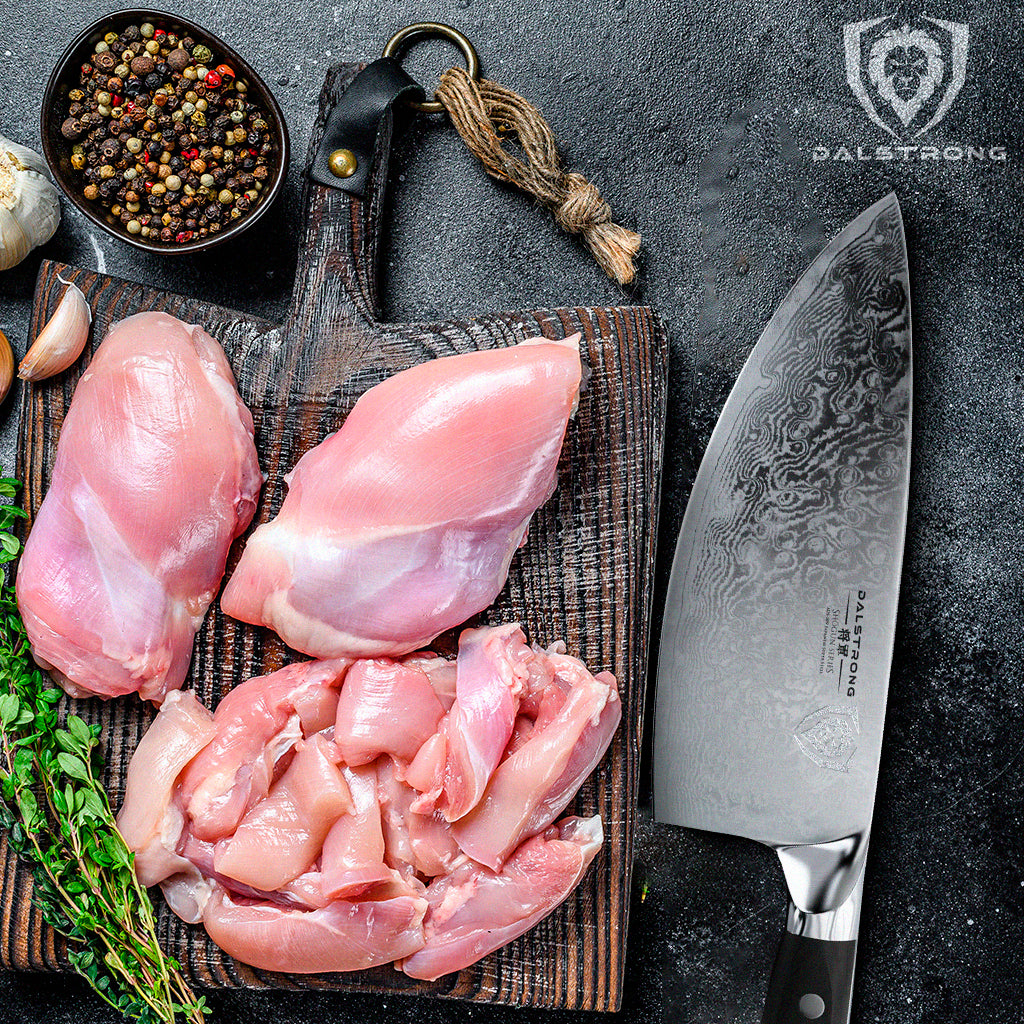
[
  {"x": 183, "y": 236},
  {"x": 212, "y": 80},
  {"x": 224, "y": 71},
  {"x": 115, "y": 101},
  {"x": 159, "y": 33},
  {"x": 252, "y": 152}
]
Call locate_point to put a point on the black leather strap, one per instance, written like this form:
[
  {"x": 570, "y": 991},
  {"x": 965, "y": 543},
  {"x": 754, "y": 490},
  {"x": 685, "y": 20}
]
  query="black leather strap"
[{"x": 356, "y": 121}]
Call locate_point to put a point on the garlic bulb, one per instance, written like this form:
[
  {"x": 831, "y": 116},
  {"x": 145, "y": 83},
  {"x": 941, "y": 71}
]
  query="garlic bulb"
[
  {"x": 6, "y": 366},
  {"x": 61, "y": 341},
  {"x": 29, "y": 204}
]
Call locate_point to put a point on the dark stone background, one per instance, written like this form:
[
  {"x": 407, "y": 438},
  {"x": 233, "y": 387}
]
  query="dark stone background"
[{"x": 697, "y": 120}]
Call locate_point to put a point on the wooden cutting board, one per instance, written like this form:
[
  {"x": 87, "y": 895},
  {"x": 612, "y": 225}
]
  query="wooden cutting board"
[{"x": 585, "y": 574}]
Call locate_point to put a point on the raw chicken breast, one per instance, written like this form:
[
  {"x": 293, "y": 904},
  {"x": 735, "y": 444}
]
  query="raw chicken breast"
[
  {"x": 403, "y": 523},
  {"x": 492, "y": 670},
  {"x": 474, "y": 911},
  {"x": 257, "y": 724},
  {"x": 342, "y": 936},
  {"x": 156, "y": 474},
  {"x": 149, "y": 819}
]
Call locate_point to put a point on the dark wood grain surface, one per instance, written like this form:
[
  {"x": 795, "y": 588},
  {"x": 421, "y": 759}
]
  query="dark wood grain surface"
[{"x": 585, "y": 574}]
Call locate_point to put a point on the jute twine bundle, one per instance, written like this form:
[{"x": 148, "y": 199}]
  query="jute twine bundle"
[{"x": 480, "y": 110}]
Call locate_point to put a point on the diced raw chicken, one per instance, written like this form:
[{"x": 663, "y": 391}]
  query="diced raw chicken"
[
  {"x": 257, "y": 724},
  {"x": 386, "y": 707},
  {"x": 187, "y": 893},
  {"x": 304, "y": 891},
  {"x": 492, "y": 670},
  {"x": 534, "y": 785},
  {"x": 297, "y": 861},
  {"x": 426, "y": 772},
  {"x": 156, "y": 474},
  {"x": 403, "y": 523},
  {"x": 282, "y": 835},
  {"x": 342, "y": 936},
  {"x": 474, "y": 911},
  {"x": 353, "y": 854},
  {"x": 150, "y": 820},
  {"x": 439, "y": 671}
]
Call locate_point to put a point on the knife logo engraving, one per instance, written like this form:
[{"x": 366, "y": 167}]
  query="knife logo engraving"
[
  {"x": 917, "y": 71},
  {"x": 828, "y": 737}
]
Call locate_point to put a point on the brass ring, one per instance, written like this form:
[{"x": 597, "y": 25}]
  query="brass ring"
[{"x": 405, "y": 37}]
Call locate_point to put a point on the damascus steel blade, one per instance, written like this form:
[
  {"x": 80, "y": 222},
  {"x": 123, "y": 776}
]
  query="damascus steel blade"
[{"x": 781, "y": 609}]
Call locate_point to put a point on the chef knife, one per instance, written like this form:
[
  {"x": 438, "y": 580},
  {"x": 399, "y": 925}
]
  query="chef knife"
[{"x": 781, "y": 608}]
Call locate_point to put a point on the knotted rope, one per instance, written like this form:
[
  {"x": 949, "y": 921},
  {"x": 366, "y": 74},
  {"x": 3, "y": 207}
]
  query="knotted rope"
[{"x": 480, "y": 110}]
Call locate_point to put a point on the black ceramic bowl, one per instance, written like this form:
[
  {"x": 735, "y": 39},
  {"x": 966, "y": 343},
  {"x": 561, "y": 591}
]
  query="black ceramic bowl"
[{"x": 57, "y": 149}]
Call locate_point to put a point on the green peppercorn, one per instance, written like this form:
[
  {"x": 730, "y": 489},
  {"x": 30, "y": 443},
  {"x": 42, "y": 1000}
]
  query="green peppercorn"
[
  {"x": 201, "y": 53},
  {"x": 134, "y": 145},
  {"x": 133, "y": 226},
  {"x": 110, "y": 38},
  {"x": 207, "y": 181},
  {"x": 103, "y": 99},
  {"x": 202, "y": 106},
  {"x": 158, "y": 189},
  {"x": 189, "y": 73},
  {"x": 226, "y": 196},
  {"x": 122, "y": 71},
  {"x": 173, "y": 182},
  {"x": 237, "y": 116},
  {"x": 146, "y": 30},
  {"x": 188, "y": 109},
  {"x": 102, "y": 47},
  {"x": 241, "y": 86},
  {"x": 129, "y": 173}
]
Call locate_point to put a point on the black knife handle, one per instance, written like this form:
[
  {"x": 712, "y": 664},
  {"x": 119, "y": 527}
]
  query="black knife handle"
[{"x": 812, "y": 981}]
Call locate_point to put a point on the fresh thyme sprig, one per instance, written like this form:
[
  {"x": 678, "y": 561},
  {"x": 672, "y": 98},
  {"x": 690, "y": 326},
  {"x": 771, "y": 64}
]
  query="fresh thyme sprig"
[{"x": 58, "y": 820}]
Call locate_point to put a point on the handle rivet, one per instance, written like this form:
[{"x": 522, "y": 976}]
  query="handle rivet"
[
  {"x": 812, "y": 1006},
  {"x": 342, "y": 163}
]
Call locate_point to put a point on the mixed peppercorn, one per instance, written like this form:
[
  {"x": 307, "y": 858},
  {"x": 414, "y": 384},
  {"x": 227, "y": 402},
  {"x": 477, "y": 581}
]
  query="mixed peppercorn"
[{"x": 166, "y": 139}]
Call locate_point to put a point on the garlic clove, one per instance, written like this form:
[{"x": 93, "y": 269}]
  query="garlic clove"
[
  {"x": 29, "y": 203},
  {"x": 61, "y": 341},
  {"x": 6, "y": 366}
]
